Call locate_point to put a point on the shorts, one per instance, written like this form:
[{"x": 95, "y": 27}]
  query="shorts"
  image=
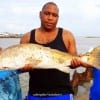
[{"x": 60, "y": 97}]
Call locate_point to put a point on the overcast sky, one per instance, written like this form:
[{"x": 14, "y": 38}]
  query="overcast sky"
[{"x": 81, "y": 17}]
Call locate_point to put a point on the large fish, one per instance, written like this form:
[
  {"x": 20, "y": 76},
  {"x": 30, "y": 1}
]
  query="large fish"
[{"x": 37, "y": 56}]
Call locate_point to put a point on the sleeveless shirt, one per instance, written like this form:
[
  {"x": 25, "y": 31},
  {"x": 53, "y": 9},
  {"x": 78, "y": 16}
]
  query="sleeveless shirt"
[{"x": 49, "y": 81}]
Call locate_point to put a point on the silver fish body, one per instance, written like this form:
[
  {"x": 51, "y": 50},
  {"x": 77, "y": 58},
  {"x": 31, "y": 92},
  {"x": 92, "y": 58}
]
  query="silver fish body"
[{"x": 37, "y": 56}]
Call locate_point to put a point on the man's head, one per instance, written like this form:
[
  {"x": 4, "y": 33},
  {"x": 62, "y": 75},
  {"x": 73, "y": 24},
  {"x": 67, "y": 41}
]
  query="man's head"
[{"x": 49, "y": 16}]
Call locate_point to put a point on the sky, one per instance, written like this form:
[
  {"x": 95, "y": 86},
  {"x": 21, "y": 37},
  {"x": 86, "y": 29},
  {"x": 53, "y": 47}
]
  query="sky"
[{"x": 81, "y": 17}]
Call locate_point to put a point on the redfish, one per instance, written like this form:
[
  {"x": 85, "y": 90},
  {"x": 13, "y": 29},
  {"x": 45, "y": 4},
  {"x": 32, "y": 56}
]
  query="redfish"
[{"x": 40, "y": 57}]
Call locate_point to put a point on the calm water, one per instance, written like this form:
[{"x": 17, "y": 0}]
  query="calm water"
[
  {"x": 83, "y": 45},
  {"x": 6, "y": 42}
]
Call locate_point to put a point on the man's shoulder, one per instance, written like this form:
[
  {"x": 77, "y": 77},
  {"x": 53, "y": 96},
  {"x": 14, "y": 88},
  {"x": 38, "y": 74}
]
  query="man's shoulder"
[
  {"x": 29, "y": 32},
  {"x": 67, "y": 34},
  {"x": 66, "y": 31},
  {"x": 25, "y": 38}
]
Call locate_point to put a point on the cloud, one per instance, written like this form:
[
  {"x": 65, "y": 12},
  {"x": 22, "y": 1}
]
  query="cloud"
[
  {"x": 90, "y": 10},
  {"x": 80, "y": 16},
  {"x": 25, "y": 10}
]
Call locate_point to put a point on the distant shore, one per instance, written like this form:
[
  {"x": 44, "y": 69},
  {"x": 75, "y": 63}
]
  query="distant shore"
[
  {"x": 10, "y": 35},
  {"x": 20, "y": 35},
  {"x": 92, "y": 37}
]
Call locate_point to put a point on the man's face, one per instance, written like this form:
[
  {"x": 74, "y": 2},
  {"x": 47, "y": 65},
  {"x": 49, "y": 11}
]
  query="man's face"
[{"x": 49, "y": 16}]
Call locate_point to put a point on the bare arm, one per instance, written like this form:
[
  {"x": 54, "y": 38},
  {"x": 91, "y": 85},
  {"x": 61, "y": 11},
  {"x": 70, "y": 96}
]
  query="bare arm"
[{"x": 69, "y": 42}]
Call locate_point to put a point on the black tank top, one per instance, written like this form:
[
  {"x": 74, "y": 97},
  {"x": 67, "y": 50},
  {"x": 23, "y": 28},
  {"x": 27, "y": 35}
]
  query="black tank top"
[{"x": 49, "y": 81}]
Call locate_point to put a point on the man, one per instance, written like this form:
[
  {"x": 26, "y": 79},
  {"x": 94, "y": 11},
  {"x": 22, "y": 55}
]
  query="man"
[{"x": 51, "y": 84}]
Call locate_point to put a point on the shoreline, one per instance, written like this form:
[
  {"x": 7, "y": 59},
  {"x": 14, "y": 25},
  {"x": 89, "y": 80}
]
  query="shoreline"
[{"x": 19, "y": 36}]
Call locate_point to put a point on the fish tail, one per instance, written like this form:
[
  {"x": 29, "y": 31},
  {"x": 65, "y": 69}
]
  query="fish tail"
[{"x": 94, "y": 57}]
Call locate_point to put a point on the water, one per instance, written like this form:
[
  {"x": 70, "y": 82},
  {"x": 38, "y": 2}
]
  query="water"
[
  {"x": 6, "y": 42},
  {"x": 83, "y": 45}
]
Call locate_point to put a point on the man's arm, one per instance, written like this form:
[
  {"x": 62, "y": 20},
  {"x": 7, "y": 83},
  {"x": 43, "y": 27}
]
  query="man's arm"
[{"x": 69, "y": 42}]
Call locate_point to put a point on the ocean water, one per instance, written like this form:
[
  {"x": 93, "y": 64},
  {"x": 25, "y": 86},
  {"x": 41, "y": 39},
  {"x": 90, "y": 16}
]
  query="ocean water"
[
  {"x": 83, "y": 45},
  {"x": 6, "y": 42}
]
